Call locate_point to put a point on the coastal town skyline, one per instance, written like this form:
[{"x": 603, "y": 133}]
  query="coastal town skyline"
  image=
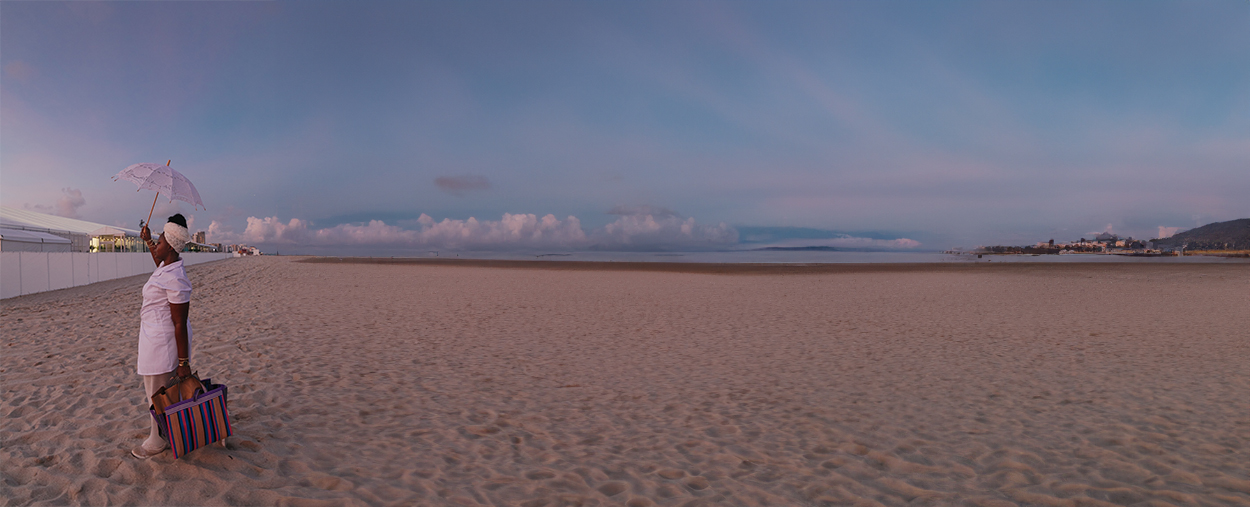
[{"x": 649, "y": 126}]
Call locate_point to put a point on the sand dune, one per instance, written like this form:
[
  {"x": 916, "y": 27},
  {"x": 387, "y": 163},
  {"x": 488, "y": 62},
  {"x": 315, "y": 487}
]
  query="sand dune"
[{"x": 379, "y": 384}]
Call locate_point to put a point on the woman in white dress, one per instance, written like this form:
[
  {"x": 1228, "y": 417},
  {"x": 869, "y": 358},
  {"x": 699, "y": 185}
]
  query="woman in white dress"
[{"x": 164, "y": 335}]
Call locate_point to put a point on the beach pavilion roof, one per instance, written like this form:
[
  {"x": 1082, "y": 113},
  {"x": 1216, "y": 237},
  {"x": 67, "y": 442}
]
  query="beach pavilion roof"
[
  {"x": 109, "y": 230},
  {"x": 11, "y": 217}
]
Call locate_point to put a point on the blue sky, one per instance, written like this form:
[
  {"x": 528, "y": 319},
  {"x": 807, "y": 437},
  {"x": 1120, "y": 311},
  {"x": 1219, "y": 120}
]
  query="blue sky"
[{"x": 634, "y": 125}]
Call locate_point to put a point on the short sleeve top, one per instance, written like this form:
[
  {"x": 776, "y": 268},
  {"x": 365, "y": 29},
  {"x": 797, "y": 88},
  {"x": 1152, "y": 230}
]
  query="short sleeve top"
[{"x": 158, "y": 348}]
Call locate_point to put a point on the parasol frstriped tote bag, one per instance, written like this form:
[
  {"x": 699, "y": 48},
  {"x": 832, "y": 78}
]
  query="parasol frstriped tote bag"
[{"x": 197, "y": 421}]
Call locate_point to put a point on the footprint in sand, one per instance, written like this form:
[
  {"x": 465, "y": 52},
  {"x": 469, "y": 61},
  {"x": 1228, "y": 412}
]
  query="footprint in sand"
[
  {"x": 481, "y": 431},
  {"x": 667, "y": 491},
  {"x": 672, "y": 474},
  {"x": 613, "y": 488},
  {"x": 833, "y": 463},
  {"x": 331, "y": 483},
  {"x": 721, "y": 431},
  {"x": 249, "y": 445},
  {"x": 539, "y": 475},
  {"x": 105, "y": 468}
]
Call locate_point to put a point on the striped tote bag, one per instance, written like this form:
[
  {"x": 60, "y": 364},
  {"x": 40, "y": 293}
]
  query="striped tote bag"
[{"x": 196, "y": 421}]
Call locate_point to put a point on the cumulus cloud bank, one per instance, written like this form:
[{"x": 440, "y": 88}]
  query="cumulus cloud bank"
[
  {"x": 646, "y": 232},
  {"x": 512, "y": 231}
]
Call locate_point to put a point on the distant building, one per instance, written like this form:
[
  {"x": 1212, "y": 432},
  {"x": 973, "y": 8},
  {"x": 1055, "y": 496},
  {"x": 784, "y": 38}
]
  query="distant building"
[
  {"x": 203, "y": 247},
  {"x": 242, "y": 250},
  {"x": 200, "y": 237}
]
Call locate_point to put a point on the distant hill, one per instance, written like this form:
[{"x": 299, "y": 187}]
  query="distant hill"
[{"x": 1231, "y": 235}]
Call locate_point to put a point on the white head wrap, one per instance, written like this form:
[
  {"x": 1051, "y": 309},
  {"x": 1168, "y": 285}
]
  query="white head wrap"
[{"x": 177, "y": 236}]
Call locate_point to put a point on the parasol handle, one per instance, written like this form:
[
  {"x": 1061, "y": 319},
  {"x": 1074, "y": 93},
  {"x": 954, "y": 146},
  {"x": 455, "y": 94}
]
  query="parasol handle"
[{"x": 158, "y": 194}]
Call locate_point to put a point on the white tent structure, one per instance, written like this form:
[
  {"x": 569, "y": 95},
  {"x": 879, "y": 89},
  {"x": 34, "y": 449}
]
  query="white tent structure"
[
  {"x": 109, "y": 230},
  {"x": 41, "y": 252},
  {"x": 78, "y": 232},
  {"x": 17, "y": 240}
]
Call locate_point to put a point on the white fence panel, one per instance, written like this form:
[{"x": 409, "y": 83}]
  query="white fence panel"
[
  {"x": 142, "y": 264},
  {"x": 108, "y": 266},
  {"x": 30, "y": 272},
  {"x": 93, "y": 268},
  {"x": 125, "y": 265},
  {"x": 80, "y": 261},
  {"x": 60, "y": 270},
  {"x": 10, "y": 274},
  {"x": 34, "y": 272}
]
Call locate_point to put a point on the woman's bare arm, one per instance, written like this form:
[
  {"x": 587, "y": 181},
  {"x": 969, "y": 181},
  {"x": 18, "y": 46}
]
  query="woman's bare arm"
[{"x": 180, "y": 312}]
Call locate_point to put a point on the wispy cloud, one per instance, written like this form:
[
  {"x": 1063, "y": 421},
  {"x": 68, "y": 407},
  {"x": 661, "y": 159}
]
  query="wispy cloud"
[
  {"x": 67, "y": 206},
  {"x": 460, "y": 185},
  {"x": 20, "y": 71}
]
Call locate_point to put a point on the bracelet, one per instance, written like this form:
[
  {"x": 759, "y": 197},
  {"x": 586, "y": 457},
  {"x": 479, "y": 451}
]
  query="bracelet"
[{"x": 183, "y": 361}]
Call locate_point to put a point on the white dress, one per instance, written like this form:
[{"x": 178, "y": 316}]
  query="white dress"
[{"x": 158, "y": 349}]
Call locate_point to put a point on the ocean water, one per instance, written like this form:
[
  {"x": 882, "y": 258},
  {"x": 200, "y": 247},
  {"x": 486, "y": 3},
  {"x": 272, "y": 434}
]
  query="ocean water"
[{"x": 806, "y": 257}]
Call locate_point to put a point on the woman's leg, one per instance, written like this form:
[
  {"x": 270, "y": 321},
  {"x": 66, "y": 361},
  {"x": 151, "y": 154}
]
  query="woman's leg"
[{"x": 151, "y": 383}]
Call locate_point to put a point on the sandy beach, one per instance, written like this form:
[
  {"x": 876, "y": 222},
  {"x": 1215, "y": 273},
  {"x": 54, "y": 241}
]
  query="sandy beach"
[{"x": 509, "y": 385}]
